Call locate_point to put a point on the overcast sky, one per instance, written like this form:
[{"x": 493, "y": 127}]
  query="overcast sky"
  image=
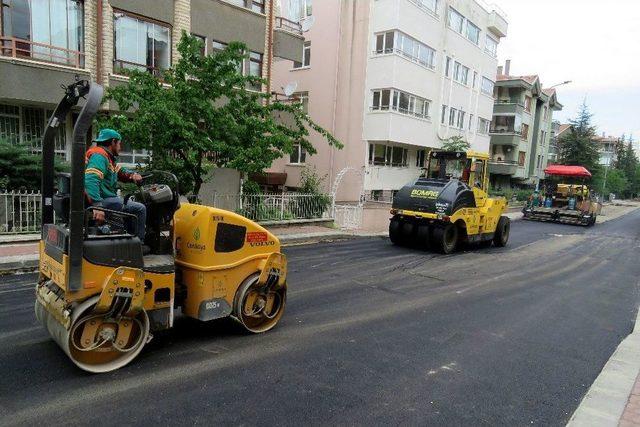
[{"x": 594, "y": 43}]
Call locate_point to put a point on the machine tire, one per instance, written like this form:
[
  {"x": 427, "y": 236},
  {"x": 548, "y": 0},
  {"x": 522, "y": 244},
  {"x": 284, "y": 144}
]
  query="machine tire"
[
  {"x": 395, "y": 227},
  {"x": 252, "y": 323},
  {"x": 408, "y": 232},
  {"x": 501, "y": 236},
  {"x": 446, "y": 238},
  {"x": 423, "y": 236}
]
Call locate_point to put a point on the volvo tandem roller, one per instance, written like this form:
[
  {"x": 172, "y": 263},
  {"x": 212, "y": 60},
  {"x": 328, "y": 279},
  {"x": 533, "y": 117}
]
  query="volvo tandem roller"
[
  {"x": 449, "y": 205},
  {"x": 101, "y": 299}
]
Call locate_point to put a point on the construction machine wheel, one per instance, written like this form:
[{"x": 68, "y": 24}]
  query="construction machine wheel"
[
  {"x": 501, "y": 236},
  {"x": 446, "y": 238},
  {"x": 395, "y": 229},
  {"x": 407, "y": 232},
  {"x": 259, "y": 307},
  {"x": 423, "y": 236},
  {"x": 97, "y": 342}
]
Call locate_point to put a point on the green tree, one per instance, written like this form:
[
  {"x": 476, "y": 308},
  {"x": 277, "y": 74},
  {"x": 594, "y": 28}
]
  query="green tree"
[
  {"x": 20, "y": 168},
  {"x": 616, "y": 181},
  {"x": 577, "y": 147},
  {"x": 455, "y": 143},
  {"x": 202, "y": 113}
]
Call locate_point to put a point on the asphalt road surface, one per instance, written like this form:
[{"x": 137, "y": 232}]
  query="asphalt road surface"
[{"x": 373, "y": 334}]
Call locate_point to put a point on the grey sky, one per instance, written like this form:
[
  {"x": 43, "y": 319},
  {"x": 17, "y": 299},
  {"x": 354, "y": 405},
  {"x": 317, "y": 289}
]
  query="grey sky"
[{"x": 594, "y": 43}]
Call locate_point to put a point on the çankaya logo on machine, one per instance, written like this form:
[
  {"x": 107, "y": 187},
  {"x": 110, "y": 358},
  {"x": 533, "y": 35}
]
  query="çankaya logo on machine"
[
  {"x": 424, "y": 194},
  {"x": 196, "y": 237}
]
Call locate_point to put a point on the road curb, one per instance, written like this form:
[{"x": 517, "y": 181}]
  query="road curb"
[
  {"x": 607, "y": 398},
  {"x": 13, "y": 264}
]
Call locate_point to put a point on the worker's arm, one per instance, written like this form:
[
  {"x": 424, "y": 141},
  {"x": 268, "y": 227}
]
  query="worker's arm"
[
  {"x": 126, "y": 175},
  {"x": 93, "y": 175}
]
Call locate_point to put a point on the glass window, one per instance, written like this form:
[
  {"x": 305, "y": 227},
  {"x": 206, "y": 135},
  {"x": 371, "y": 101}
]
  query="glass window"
[
  {"x": 298, "y": 155},
  {"x": 460, "y": 123},
  {"x": 379, "y": 155},
  {"x": 398, "y": 158},
  {"x": 527, "y": 103},
  {"x": 522, "y": 155},
  {"x": 525, "y": 131},
  {"x": 306, "y": 56},
  {"x": 491, "y": 46},
  {"x": 420, "y": 157},
  {"x": 455, "y": 20},
  {"x": 443, "y": 116},
  {"x": 487, "y": 86},
  {"x": 56, "y": 24},
  {"x": 473, "y": 32},
  {"x": 403, "y": 106},
  {"x": 452, "y": 116},
  {"x": 296, "y": 10},
  {"x": 447, "y": 67},
  {"x": 203, "y": 41},
  {"x": 140, "y": 44},
  {"x": 471, "y": 122},
  {"x": 483, "y": 126},
  {"x": 255, "y": 68}
]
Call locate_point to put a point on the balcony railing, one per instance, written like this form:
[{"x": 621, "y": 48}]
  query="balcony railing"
[
  {"x": 505, "y": 132},
  {"x": 19, "y": 48},
  {"x": 288, "y": 25},
  {"x": 120, "y": 65}
]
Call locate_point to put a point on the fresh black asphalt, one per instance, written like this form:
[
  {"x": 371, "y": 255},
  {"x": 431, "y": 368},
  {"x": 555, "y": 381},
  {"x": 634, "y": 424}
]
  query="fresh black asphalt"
[{"x": 373, "y": 334}]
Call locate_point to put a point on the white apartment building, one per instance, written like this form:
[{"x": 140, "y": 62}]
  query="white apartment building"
[{"x": 392, "y": 79}]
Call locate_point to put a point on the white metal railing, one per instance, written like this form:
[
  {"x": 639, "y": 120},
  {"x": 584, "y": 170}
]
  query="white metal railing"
[
  {"x": 19, "y": 212},
  {"x": 276, "y": 206}
]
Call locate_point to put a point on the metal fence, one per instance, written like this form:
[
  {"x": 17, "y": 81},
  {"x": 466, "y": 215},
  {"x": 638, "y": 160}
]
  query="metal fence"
[
  {"x": 19, "y": 212},
  {"x": 276, "y": 206}
]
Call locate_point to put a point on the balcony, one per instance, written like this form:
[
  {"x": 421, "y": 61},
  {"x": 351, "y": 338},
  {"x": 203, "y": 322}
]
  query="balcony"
[
  {"x": 502, "y": 108},
  {"x": 26, "y": 49},
  {"x": 505, "y": 137},
  {"x": 288, "y": 41},
  {"x": 497, "y": 24},
  {"x": 503, "y": 167}
]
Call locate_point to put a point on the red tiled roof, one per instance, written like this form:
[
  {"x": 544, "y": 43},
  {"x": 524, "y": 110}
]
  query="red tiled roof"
[{"x": 529, "y": 79}]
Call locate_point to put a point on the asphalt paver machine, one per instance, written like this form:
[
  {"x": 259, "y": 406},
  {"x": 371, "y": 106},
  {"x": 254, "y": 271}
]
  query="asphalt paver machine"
[
  {"x": 566, "y": 198},
  {"x": 101, "y": 299},
  {"x": 449, "y": 205}
]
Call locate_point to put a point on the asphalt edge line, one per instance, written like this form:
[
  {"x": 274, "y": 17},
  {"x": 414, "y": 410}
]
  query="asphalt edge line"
[{"x": 605, "y": 401}]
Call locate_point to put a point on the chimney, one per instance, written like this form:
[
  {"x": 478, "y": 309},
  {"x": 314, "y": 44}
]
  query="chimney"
[
  {"x": 500, "y": 70},
  {"x": 507, "y": 66}
]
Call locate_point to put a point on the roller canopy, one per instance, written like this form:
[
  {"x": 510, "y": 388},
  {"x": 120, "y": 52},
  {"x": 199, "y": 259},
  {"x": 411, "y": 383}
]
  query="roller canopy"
[{"x": 567, "y": 171}]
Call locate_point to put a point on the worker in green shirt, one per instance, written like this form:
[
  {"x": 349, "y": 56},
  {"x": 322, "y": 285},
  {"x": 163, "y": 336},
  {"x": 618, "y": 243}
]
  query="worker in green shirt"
[{"x": 101, "y": 177}]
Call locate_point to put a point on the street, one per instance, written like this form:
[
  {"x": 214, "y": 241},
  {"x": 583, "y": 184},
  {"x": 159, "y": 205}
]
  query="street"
[{"x": 373, "y": 334}]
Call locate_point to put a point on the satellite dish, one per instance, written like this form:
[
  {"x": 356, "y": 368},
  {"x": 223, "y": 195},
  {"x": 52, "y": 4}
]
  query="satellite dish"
[
  {"x": 307, "y": 23},
  {"x": 290, "y": 88}
]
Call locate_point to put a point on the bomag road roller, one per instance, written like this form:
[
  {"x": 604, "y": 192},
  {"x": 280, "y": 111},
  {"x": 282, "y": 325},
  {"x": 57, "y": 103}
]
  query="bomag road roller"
[
  {"x": 101, "y": 299},
  {"x": 449, "y": 205}
]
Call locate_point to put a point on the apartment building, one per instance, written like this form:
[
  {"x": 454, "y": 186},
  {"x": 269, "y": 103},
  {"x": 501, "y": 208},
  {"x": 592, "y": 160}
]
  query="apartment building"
[
  {"x": 48, "y": 43},
  {"x": 520, "y": 130},
  {"x": 391, "y": 79},
  {"x": 607, "y": 149}
]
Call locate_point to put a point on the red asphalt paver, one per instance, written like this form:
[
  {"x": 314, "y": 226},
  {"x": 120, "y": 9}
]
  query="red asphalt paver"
[{"x": 631, "y": 415}]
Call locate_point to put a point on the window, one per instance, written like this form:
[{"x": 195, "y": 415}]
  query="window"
[
  {"x": 254, "y": 68},
  {"x": 525, "y": 131},
  {"x": 443, "y": 116},
  {"x": 430, "y": 6},
  {"x": 539, "y": 163},
  {"x": 296, "y": 10},
  {"x": 460, "y": 73},
  {"x": 133, "y": 157},
  {"x": 386, "y": 155},
  {"x": 402, "y": 102},
  {"x": 298, "y": 155},
  {"x": 447, "y": 66},
  {"x": 461, "y": 115},
  {"x": 546, "y": 113},
  {"x": 303, "y": 98},
  {"x": 455, "y": 20},
  {"x": 420, "y": 158},
  {"x": 491, "y": 46},
  {"x": 203, "y": 40},
  {"x": 487, "y": 86},
  {"x": 527, "y": 103},
  {"x": 475, "y": 78},
  {"x": 452, "y": 116},
  {"x": 26, "y": 125},
  {"x": 255, "y": 5},
  {"x": 306, "y": 57},
  {"x": 415, "y": 50},
  {"x": 218, "y": 46},
  {"x": 522, "y": 156},
  {"x": 56, "y": 25},
  {"x": 483, "y": 126},
  {"x": 473, "y": 32},
  {"x": 471, "y": 122},
  {"x": 140, "y": 44},
  {"x": 384, "y": 42}
]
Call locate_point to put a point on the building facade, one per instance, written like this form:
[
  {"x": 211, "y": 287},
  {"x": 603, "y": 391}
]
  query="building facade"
[
  {"x": 392, "y": 79},
  {"x": 48, "y": 43},
  {"x": 607, "y": 149},
  {"x": 520, "y": 130}
]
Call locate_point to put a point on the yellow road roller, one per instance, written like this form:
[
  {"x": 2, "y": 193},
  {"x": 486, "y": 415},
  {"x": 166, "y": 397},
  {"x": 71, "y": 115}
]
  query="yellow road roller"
[
  {"x": 449, "y": 205},
  {"x": 100, "y": 297}
]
